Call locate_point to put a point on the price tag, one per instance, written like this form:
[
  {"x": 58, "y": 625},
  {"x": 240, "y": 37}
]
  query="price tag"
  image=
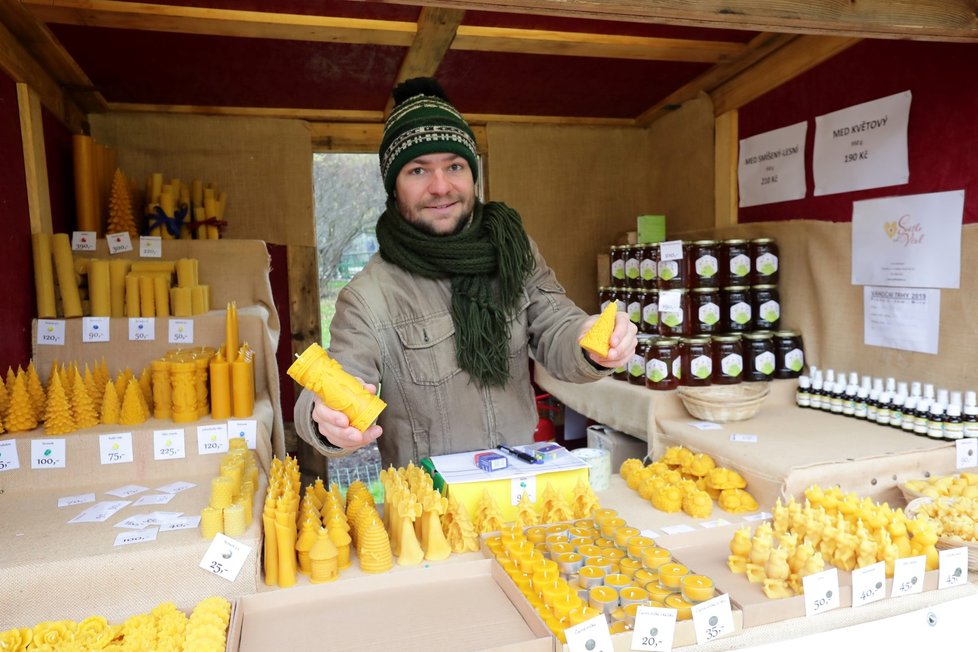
[
  {"x": 760, "y": 516},
  {"x": 48, "y": 454},
  {"x": 712, "y": 619},
  {"x": 654, "y": 629},
  {"x": 868, "y": 584},
  {"x": 747, "y": 439},
  {"x": 671, "y": 250},
  {"x": 128, "y": 490},
  {"x": 677, "y": 529},
  {"x": 169, "y": 444},
  {"x": 80, "y": 499},
  {"x": 967, "y": 452},
  {"x": 83, "y": 240},
  {"x": 952, "y": 567},
  {"x": 225, "y": 557},
  {"x": 142, "y": 329},
  {"x": 9, "y": 459},
  {"x": 118, "y": 242},
  {"x": 150, "y": 246},
  {"x": 137, "y": 522},
  {"x": 159, "y": 518},
  {"x": 720, "y": 522},
  {"x": 650, "y": 534},
  {"x": 140, "y": 536},
  {"x": 590, "y": 636},
  {"x": 523, "y": 484},
  {"x": 176, "y": 487},
  {"x": 181, "y": 331},
  {"x": 706, "y": 425},
  {"x": 153, "y": 499},
  {"x": 51, "y": 332},
  {"x": 180, "y": 523},
  {"x": 115, "y": 449},
  {"x": 212, "y": 439},
  {"x": 821, "y": 592},
  {"x": 100, "y": 512},
  {"x": 248, "y": 429},
  {"x": 669, "y": 301},
  {"x": 908, "y": 575},
  {"x": 95, "y": 329}
]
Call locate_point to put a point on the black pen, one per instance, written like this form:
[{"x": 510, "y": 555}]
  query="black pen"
[{"x": 526, "y": 457}]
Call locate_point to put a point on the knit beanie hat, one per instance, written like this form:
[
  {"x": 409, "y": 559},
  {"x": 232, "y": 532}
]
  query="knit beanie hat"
[{"x": 423, "y": 122}]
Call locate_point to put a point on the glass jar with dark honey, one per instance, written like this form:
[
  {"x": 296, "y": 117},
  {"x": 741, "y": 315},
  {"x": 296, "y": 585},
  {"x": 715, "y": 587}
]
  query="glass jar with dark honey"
[
  {"x": 618, "y": 265},
  {"x": 633, "y": 305},
  {"x": 674, "y": 322},
  {"x": 659, "y": 362},
  {"x": 734, "y": 262},
  {"x": 648, "y": 267},
  {"x": 650, "y": 312},
  {"x": 789, "y": 354},
  {"x": 735, "y": 303},
  {"x": 764, "y": 261},
  {"x": 696, "y": 361},
  {"x": 671, "y": 266},
  {"x": 605, "y": 296},
  {"x": 704, "y": 311},
  {"x": 702, "y": 266},
  {"x": 632, "y": 266},
  {"x": 765, "y": 304},
  {"x": 758, "y": 356},
  {"x": 728, "y": 359},
  {"x": 636, "y": 366}
]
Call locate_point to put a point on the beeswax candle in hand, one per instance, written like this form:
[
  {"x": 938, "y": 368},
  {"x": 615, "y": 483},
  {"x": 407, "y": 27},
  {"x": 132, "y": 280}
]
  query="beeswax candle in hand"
[
  {"x": 316, "y": 371},
  {"x": 598, "y": 338}
]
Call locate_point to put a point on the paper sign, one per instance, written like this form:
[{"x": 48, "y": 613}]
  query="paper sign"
[
  {"x": 95, "y": 329},
  {"x": 523, "y": 484},
  {"x": 952, "y": 567},
  {"x": 908, "y": 575},
  {"x": 159, "y": 518},
  {"x": 141, "y": 536},
  {"x": 706, "y": 425},
  {"x": 650, "y": 534},
  {"x": 760, "y": 516},
  {"x": 180, "y": 331},
  {"x": 181, "y": 523},
  {"x": 150, "y": 246},
  {"x": 902, "y": 318},
  {"x": 176, "y": 487},
  {"x": 100, "y": 511},
  {"x": 48, "y": 454},
  {"x": 9, "y": 460},
  {"x": 118, "y": 242},
  {"x": 153, "y": 499},
  {"x": 862, "y": 146},
  {"x": 115, "y": 449},
  {"x": 83, "y": 240},
  {"x": 967, "y": 452},
  {"x": 590, "y": 636},
  {"x": 142, "y": 329},
  {"x": 744, "y": 438},
  {"x": 212, "y": 439},
  {"x": 671, "y": 250},
  {"x": 248, "y": 429},
  {"x": 719, "y": 522},
  {"x": 80, "y": 499},
  {"x": 128, "y": 490},
  {"x": 712, "y": 619},
  {"x": 677, "y": 529},
  {"x": 654, "y": 629},
  {"x": 821, "y": 591},
  {"x": 669, "y": 301},
  {"x": 225, "y": 557},
  {"x": 169, "y": 444},
  {"x": 136, "y": 522},
  {"x": 771, "y": 166},
  {"x": 908, "y": 241},
  {"x": 51, "y": 332},
  {"x": 868, "y": 584}
]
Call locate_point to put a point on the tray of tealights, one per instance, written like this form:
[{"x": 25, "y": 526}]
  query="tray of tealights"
[{"x": 572, "y": 572}]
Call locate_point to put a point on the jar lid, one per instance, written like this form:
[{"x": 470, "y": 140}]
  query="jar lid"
[
  {"x": 703, "y": 290},
  {"x": 667, "y": 341},
  {"x": 732, "y": 337},
  {"x": 765, "y": 286},
  {"x": 735, "y": 288},
  {"x": 786, "y": 333},
  {"x": 704, "y": 243},
  {"x": 696, "y": 339},
  {"x": 758, "y": 335},
  {"x": 735, "y": 241},
  {"x": 762, "y": 240},
  {"x": 646, "y": 337}
]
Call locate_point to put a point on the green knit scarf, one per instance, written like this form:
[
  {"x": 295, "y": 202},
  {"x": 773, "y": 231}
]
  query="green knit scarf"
[{"x": 488, "y": 262}]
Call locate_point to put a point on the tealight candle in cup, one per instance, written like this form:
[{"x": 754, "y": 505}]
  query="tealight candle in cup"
[
  {"x": 563, "y": 604},
  {"x": 559, "y": 548},
  {"x": 632, "y": 595},
  {"x": 590, "y": 576},
  {"x": 557, "y": 528},
  {"x": 602, "y": 598},
  {"x": 569, "y": 563},
  {"x": 604, "y": 542},
  {"x": 628, "y": 566},
  {"x": 547, "y": 568},
  {"x": 670, "y": 575},
  {"x": 618, "y": 627},
  {"x": 642, "y": 576},
  {"x": 536, "y": 534},
  {"x": 603, "y": 514},
  {"x": 509, "y": 564},
  {"x": 637, "y": 545},
  {"x": 684, "y": 610},
  {"x": 657, "y": 592},
  {"x": 654, "y": 557},
  {"x": 527, "y": 559},
  {"x": 578, "y": 532},
  {"x": 551, "y": 591},
  {"x": 616, "y": 581},
  {"x": 614, "y": 554},
  {"x": 588, "y": 551},
  {"x": 603, "y": 563},
  {"x": 555, "y": 538},
  {"x": 512, "y": 533},
  {"x": 516, "y": 547},
  {"x": 610, "y": 526},
  {"x": 523, "y": 582},
  {"x": 495, "y": 546},
  {"x": 623, "y": 534},
  {"x": 630, "y": 611},
  {"x": 582, "y": 613},
  {"x": 697, "y": 588}
]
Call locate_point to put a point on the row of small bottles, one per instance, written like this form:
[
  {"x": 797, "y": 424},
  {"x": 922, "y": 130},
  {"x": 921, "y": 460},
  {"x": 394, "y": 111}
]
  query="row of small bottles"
[{"x": 912, "y": 407}]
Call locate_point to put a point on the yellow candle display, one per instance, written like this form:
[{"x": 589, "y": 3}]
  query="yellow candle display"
[
  {"x": 147, "y": 298},
  {"x": 559, "y": 548},
  {"x": 220, "y": 388},
  {"x": 569, "y": 562},
  {"x": 611, "y": 525},
  {"x": 160, "y": 370},
  {"x": 222, "y": 492},
  {"x": 47, "y": 307},
  {"x": 628, "y": 566},
  {"x": 697, "y": 588},
  {"x": 152, "y": 267},
  {"x": 642, "y": 576},
  {"x": 315, "y": 370},
  {"x": 617, "y": 581},
  {"x": 231, "y": 330},
  {"x": 211, "y": 522},
  {"x": 198, "y": 300},
  {"x": 285, "y": 535},
  {"x": 670, "y": 575},
  {"x": 99, "y": 288},
  {"x": 623, "y": 534},
  {"x": 64, "y": 267},
  {"x": 684, "y": 609},
  {"x": 132, "y": 296},
  {"x": 180, "y": 302},
  {"x": 636, "y": 546},
  {"x": 551, "y": 592},
  {"x": 118, "y": 269},
  {"x": 602, "y": 598},
  {"x": 234, "y": 520},
  {"x": 243, "y": 384},
  {"x": 161, "y": 295},
  {"x": 654, "y": 557}
]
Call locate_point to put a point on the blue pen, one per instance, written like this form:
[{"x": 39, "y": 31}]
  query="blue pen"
[{"x": 526, "y": 457}]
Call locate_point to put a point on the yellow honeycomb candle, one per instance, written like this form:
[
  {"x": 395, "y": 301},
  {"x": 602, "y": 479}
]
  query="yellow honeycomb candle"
[
  {"x": 211, "y": 521},
  {"x": 670, "y": 575},
  {"x": 316, "y": 371},
  {"x": 697, "y": 588},
  {"x": 684, "y": 609},
  {"x": 602, "y": 598},
  {"x": 234, "y": 520},
  {"x": 598, "y": 338},
  {"x": 222, "y": 492}
]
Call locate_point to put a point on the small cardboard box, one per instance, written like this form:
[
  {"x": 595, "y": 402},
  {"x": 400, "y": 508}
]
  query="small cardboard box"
[
  {"x": 651, "y": 228},
  {"x": 466, "y": 606},
  {"x": 622, "y": 446}
]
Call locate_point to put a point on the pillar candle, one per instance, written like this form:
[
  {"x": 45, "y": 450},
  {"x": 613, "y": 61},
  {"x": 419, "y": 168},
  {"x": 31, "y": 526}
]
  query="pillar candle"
[
  {"x": 47, "y": 306},
  {"x": 243, "y": 385},
  {"x": 117, "y": 286},
  {"x": 213, "y": 232},
  {"x": 153, "y": 266},
  {"x": 161, "y": 295},
  {"x": 186, "y": 273},
  {"x": 200, "y": 216},
  {"x": 222, "y": 490},
  {"x": 200, "y": 383},
  {"x": 210, "y": 210},
  {"x": 220, "y": 388},
  {"x": 160, "y": 371},
  {"x": 147, "y": 300},
  {"x": 234, "y": 520},
  {"x": 183, "y": 392},
  {"x": 167, "y": 204},
  {"x": 198, "y": 300},
  {"x": 155, "y": 187},
  {"x": 270, "y": 549},
  {"x": 132, "y": 296},
  {"x": 211, "y": 522},
  {"x": 99, "y": 288},
  {"x": 65, "y": 269},
  {"x": 86, "y": 198},
  {"x": 180, "y": 302},
  {"x": 231, "y": 332}
]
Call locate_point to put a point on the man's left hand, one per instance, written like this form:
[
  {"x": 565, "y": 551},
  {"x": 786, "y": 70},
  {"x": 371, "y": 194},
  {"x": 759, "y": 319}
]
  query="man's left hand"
[{"x": 622, "y": 344}]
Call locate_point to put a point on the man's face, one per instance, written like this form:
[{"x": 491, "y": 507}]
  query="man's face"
[{"x": 436, "y": 193}]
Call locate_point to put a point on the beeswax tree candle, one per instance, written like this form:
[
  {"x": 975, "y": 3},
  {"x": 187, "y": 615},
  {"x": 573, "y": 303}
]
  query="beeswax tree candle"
[
  {"x": 111, "y": 406},
  {"x": 57, "y": 418},
  {"x": 316, "y": 371},
  {"x": 21, "y": 415},
  {"x": 133, "y": 411},
  {"x": 36, "y": 391},
  {"x": 86, "y": 416}
]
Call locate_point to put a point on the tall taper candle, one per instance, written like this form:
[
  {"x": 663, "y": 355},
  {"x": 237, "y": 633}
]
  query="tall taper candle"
[
  {"x": 47, "y": 305},
  {"x": 117, "y": 286}
]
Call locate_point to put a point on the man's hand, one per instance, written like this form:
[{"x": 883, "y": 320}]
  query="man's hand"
[
  {"x": 622, "y": 344},
  {"x": 335, "y": 426}
]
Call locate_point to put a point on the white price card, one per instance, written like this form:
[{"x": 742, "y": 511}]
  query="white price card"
[
  {"x": 118, "y": 242},
  {"x": 80, "y": 499},
  {"x": 967, "y": 452},
  {"x": 821, "y": 592},
  {"x": 952, "y": 567},
  {"x": 705, "y": 425},
  {"x": 180, "y": 523},
  {"x": 760, "y": 516},
  {"x": 654, "y": 629},
  {"x": 868, "y": 584},
  {"x": 83, "y": 240},
  {"x": 95, "y": 329},
  {"x": 51, "y": 332},
  {"x": 142, "y": 329},
  {"x": 212, "y": 439},
  {"x": 670, "y": 300},
  {"x": 908, "y": 575},
  {"x": 159, "y": 518},
  {"x": 128, "y": 490},
  {"x": 180, "y": 331},
  {"x": 100, "y": 511},
  {"x": 139, "y": 536},
  {"x": 744, "y": 438},
  {"x": 712, "y": 619},
  {"x": 650, "y": 534},
  {"x": 153, "y": 499},
  {"x": 247, "y": 429},
  {"x": 9, "y": 460},
  {"x": 48, "y": 454},
  {"x": 176, "y": 487},
  {"x": 115, "y": 449},
  {"x": 523, "y": 484},
  {"x": 225, "y": 557},
  {"x": 590, "y": 636},
  {"x": 671, "y": 250},
  {"x": 720, "y": 522},
  {"x": 169, "y": 444},
  {"x": 677, "y": 529},
  {"x": 150, "y": 246},
  {"x": 137, "y": 522}
]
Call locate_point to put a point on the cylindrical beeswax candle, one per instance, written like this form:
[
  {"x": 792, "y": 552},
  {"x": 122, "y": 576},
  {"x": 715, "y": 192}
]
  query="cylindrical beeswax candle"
[
  {"x": 132, "y": 296},
  {"x": 147, "y": 300},
  {"x": 161, "y": 295},
  {"x": 211, "y": 521},
  {"x": 180, "y": 302},
  {"x": 220, "y": 378},
  {"x": 47, "y": 306},
  {"x": 222, "y": 492},
  {"x": 65, "y": 268},
  {"x": 242, "y": 386},
  {"x": 99, "y": 288},
  {"x": 315, "y": 370},
  {"x": 234, "y": 520},
  {"x": 117, "y": 286}
]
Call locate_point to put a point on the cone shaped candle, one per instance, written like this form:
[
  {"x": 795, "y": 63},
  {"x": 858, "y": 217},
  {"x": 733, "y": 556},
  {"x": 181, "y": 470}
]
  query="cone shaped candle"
[
  {"x": 316, "y": 371},
  {"x": 597, "y": 338}
]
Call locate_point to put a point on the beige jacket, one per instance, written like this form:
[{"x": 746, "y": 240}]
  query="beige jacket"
[{"x": 394, "y": 329}]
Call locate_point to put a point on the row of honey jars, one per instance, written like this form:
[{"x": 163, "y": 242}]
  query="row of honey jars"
[{"x": 699, "y": 263}]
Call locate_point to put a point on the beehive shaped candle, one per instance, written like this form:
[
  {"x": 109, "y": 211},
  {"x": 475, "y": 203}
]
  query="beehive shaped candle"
[
  {"x": 111, "y": 406},
  {"x": 323, "y": 559},
  {"x": 133, "y": 411},
  {"x": 374, "y": 547},
  {"x": 598, "y": 338},
  {"x": 316, "y": 371},
  {"x": 57, "y": 417},
  {"x": 20, "y": 416}
]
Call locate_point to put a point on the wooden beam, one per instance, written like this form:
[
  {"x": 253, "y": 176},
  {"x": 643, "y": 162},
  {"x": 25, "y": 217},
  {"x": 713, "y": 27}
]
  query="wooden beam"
[
  {"x": 35, "y": 160},
  {"x": 725, "y": 188},
  {"x": 436, "y": 31},
  {"x": 365, "y": 137},
  {"x": 327, "y": 115},
  {"x": 938, "y": 20},
  {"x": 804, "y": 53}
]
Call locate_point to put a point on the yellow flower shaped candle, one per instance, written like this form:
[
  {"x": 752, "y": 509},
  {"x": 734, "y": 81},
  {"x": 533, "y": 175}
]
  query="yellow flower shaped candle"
[{"x": 16, "y": 640}]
